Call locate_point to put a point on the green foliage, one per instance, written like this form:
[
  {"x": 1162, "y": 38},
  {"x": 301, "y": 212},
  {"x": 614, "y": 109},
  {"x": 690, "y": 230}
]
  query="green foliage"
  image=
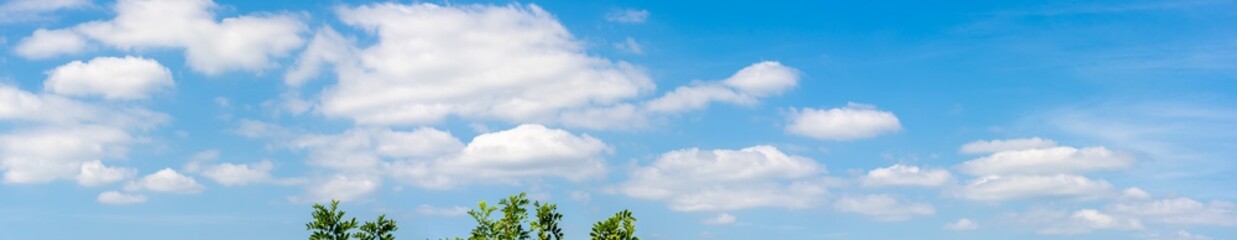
[
  {"x": 511, "y": 226},
  {"x": 329, "y": 224},
  {"x": 485, "y": 229},
  {"x": 619, "y": 227},
  {"x": 546, "y": 223},
  {"x": 378, "y": 230}
]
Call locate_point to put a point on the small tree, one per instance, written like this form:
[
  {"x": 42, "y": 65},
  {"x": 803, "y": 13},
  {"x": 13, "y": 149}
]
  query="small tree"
[
  {"x": 378, "y": 230},
  {"x": 619, "y": 227},
  {"x": 546, "y": 223},
  {"x": 329, "y": 224},
  {"x": 511, "y": 226},
  {"x": 485, "y": 229}
]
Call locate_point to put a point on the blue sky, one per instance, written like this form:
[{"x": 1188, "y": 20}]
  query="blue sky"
[{"x": 193, "y": 119}]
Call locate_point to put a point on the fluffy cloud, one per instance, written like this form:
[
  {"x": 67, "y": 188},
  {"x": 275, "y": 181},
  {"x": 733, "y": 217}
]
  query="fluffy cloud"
[
  {"x": 109, "y": 77},
  {"x": 166, "y": 180},
  {"x": 1181, "y": 211},
  {"x": 1053, "y": 222},
  {"x": 342, "y": 187},
  {"x": 230, "y": 174},
  {"x": 902, "y": 175},
  {"x": 855, "y": 121},
  {"x": 366, "y": 150},
  {"x": 999, "y": 188},
  {"x": 961, "y": 225},
  {"x": 744, "y": 88},
  {"x": 883, "y": 207},
  {"x": 93, "y": 173},
  {"x": 507, "y": 62},
  {"x": 628, "y": 16},
  {"x": 526, "y": 151},
  {"x": 55, "y": 136},
  {"x": 992, "y": 146},
  {"x": 515, "y": 63},
  {"x": 211, "y": 46},
  {"x": 1048, "y": 161},
  {"x": 118, "y": 198},
  {"x": 721, "y": 219},
  {"x": 46, "y": 154},
  {"x": 45, "y": 43},
  {"x": 712, "y": 180}
]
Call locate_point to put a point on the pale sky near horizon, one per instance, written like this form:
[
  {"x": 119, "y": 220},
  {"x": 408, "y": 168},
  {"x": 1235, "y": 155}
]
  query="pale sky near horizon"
[{"x": 200, "y": 119}]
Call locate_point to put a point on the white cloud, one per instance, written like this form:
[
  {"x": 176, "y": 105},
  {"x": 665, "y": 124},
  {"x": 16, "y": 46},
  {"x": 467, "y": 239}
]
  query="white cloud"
[
  {"x": 94, "y": 173},
  {"x": 855, "y": 121},
  {"x": 883, "y": 207},
  {"x": 1048, "y": 161},
  {"x": 1053, "y": 222},
  {"x": 343, "y": 188},
  {"x": 427, "y": 210},
  {"x": 630, "y": 45},
  {"x": 45, "y": 43},
  {"x": 1181, "y": 234},
  {"x": 1135, "y": 193},
  {"x": 45, "y": 154},
  {"x": 999, "y": 188},
  {"x": 1181, "y": 211},
  {"x": 526, "y": 151},
  {"x": 230, "y": 174},
  {"x": 364, "y": 150},
  {"x": 721, "y": 219},
  {"x": 997, "y": 145},
  {"x": 110, "y": 77},
  {"x": 54, "y": 136},
  {"x": 903, "y": 175},
  {"x": 246, "y": 42},
  {"x": 118, "y": 198},
  {"x": 510, "y": 62},
  {"x": 961, "y": 225},
  {"x": 745, "y": 87},
  {"x": 166, "y": 180},
  {"x": 713, "y": 180},
  {"x": 35, "y": 10}
]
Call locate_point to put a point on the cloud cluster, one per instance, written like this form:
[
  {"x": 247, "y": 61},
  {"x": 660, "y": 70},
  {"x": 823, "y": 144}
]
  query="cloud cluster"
[
  {"x": 211, "y": 46},
  {"x": 1035, "y": 167},
  {"x": 855, "y": 121},
  {"x": 722, "y": 179}
]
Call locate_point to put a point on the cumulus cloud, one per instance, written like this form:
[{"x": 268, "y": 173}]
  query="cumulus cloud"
[
  {"x": 745, "y": 87},
  {"x": 855, "y": 121},
  {"x": 721, "y": 219},
  {"x": 168, "y": 181},
  {"x": 903, "y": 175},
  {"x": 1054, "y": 222},
  {"x": 118, "y": 198},
  {"x": 230, "y": 174},
  {"x": 512, "y": 62},
  {"x": 1181, "y": 211},
  {"x": 342, "y": 187},
  {"x": 999, "y": 188},
  {"x": 58, "y": 135},
  {"x": 714, "y": 180},
  {"x": 211, "y": 46},
  {"x": 883, "y": 207},
  {"x": 94, "y": 173},
  {"x": 45, "y": 43},
  {"x": 515, "y": 63},
  {"x": 109, "y": 77},
  {"x": 961, "y": 225},
  {"x": 526, "y": 151},
  {"x": 1048, "y": 161},
  {"x": 629, "y": 16},
  {"x": 998, "y": 145}
]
